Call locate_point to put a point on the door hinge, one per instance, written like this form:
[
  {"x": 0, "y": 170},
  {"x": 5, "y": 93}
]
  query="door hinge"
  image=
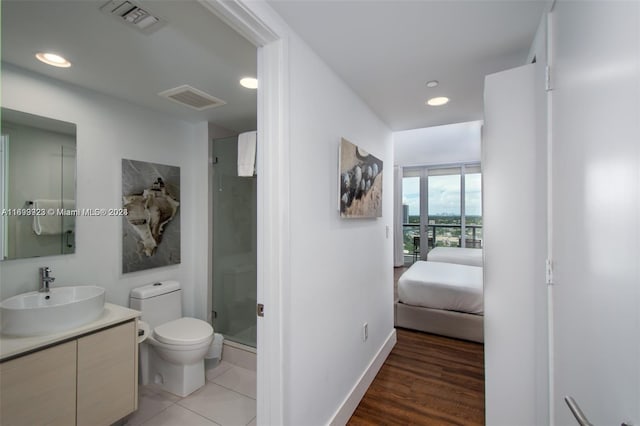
[
  {"x": 549, "y": 271},
  {"x": 547, "y": 78},
  {"x": 260, "y": 310}
]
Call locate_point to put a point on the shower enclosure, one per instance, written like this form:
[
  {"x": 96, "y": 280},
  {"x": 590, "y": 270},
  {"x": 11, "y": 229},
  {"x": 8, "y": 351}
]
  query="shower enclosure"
[{"x": 234, "y": 221}]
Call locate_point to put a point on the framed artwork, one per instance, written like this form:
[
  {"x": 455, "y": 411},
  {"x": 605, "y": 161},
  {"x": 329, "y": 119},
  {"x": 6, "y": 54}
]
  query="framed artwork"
[
  {"x": 360, "y": 182},
  {"x": 151, "y": 228}
]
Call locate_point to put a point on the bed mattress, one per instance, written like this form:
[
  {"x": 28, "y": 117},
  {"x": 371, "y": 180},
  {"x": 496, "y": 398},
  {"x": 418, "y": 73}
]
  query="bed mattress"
[
  {"x": 461, "y": 256},
  {"x": 445, "y": 286}
]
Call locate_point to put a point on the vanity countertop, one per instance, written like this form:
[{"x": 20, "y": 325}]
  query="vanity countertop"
[{"x": 11, "y": 346}]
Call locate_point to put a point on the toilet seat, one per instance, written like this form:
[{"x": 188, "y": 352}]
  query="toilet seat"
[{"x": 183, "y": 331}]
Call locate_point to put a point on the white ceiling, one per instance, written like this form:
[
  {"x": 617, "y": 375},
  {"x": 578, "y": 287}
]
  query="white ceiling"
[
  {"x": 194, "y": 48},
  {"x": 438, "y": 145},
  {"x": 387, "y": 50}
]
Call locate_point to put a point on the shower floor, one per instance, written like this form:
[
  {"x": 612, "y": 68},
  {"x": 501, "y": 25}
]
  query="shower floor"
[{"x": 247, "y": 337}]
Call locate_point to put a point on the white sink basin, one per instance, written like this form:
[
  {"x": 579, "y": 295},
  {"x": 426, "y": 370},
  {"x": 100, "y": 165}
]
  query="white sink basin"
[{"x": 62, "y": 308}]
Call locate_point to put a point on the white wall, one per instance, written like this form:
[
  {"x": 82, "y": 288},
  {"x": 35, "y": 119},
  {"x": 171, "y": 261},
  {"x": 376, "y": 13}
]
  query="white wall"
[
  {"x": 341, "y": 270},
  {"x": 452, "y": 143},
  {"x": 596, "y": 209},
  {"x": 107, "y": 131}
]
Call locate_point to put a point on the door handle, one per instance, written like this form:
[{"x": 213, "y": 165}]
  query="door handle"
[
  {"x": 577, "y": 412},
  {"x": 579, "y": 415}
]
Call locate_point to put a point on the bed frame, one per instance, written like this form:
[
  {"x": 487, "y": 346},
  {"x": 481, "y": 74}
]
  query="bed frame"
[
  {"x": 459, "y": 325},
  {"x": 446, "y": 323}
]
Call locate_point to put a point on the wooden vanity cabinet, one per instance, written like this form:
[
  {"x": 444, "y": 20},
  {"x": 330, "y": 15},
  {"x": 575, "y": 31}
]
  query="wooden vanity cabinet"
[
  {"x": 107, "y": 375},
  {"x": 39, "y": 388},
  {"x": 89, "y": 381}
]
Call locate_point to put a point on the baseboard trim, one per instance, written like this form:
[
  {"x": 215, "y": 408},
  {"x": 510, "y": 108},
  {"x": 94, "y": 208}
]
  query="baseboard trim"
[{"x": 349, "y": 405}]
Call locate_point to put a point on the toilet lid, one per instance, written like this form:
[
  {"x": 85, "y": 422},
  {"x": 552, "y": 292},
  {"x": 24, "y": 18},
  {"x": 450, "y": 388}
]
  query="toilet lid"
[{"x": 183, "y": 331}]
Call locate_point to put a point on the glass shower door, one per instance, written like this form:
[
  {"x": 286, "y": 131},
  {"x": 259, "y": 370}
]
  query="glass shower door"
[
  {"x": 68, "y": 199},
  {"x": 234, "y": 246}
]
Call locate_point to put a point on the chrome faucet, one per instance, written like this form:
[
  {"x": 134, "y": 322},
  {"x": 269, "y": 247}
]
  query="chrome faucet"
[{"x": 45, "y": 279}]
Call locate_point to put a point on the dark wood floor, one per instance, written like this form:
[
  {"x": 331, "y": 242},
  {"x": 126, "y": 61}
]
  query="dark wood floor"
[{"x": 426, "y": 380}]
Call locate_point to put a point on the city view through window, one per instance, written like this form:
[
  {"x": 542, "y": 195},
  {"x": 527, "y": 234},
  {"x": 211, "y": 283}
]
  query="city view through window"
[{"x": 448, "y": 199}]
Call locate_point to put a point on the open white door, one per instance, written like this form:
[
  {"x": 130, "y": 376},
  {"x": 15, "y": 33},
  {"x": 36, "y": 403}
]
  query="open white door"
[{"x": 514, "y": 215}]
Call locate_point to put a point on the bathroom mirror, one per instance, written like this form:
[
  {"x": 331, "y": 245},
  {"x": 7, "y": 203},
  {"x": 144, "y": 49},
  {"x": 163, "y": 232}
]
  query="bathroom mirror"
[{"x": 37, "y": 186}]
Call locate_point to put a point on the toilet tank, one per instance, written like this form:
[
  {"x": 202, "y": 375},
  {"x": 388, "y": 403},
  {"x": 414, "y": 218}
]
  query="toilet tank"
[{"x": 159, "y": 302}]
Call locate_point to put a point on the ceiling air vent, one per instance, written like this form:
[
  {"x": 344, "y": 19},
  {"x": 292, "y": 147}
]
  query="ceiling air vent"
[
  {"x": 133, "y": 15},
  {"x": 192, "y": 97}
]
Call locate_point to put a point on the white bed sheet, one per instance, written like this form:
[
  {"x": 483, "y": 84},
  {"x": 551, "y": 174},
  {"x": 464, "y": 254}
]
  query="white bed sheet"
[
  {"x": 442, "y": 286},
  {"x": 461, "y": 256}
]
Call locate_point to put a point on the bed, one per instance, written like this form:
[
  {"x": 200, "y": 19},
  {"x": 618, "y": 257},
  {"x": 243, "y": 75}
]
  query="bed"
[
  {"x": 441, "y": 298},
  {"x": 462, "y": 256}
]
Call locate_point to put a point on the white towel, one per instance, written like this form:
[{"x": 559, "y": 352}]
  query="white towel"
[
  {"x": 247, "y": 153},
  {"x": 48, "y": 224}
]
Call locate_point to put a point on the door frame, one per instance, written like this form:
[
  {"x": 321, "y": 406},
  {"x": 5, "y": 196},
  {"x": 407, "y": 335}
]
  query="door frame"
[
  {"x": 4, "y": 147},
  {"x": 259, "y": 24}
]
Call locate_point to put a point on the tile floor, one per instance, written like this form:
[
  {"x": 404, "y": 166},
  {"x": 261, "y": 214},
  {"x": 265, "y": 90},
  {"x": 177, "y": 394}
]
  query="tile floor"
[{"x": 227, "y": 398}]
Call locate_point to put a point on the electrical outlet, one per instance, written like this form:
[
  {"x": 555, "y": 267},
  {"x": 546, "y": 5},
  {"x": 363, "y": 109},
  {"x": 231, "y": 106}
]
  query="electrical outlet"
[{"x": 365, "y": 332}]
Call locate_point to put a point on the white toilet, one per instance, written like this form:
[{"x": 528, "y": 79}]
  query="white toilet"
[{"x": 173, "y": 353}]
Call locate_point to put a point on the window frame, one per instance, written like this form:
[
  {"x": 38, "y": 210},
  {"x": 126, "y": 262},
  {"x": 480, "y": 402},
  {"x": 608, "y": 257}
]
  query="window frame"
[{"x": 423, "y": 172}]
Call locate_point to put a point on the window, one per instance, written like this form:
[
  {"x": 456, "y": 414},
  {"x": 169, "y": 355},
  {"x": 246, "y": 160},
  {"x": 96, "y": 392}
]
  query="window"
[
  {"x": 411, "y": 215},
  {"x": 473, "y": 209},
  {"x": 445, "y": 207},
  {"x": 442, "y": 207}
]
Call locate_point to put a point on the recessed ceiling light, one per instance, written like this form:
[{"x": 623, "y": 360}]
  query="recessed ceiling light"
[
  {"x": 432, "y": 83},
  {"x": 439, "y": 101},
  {"x": 249, "y": 83},
  {"x": 53, "y": 59}
]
